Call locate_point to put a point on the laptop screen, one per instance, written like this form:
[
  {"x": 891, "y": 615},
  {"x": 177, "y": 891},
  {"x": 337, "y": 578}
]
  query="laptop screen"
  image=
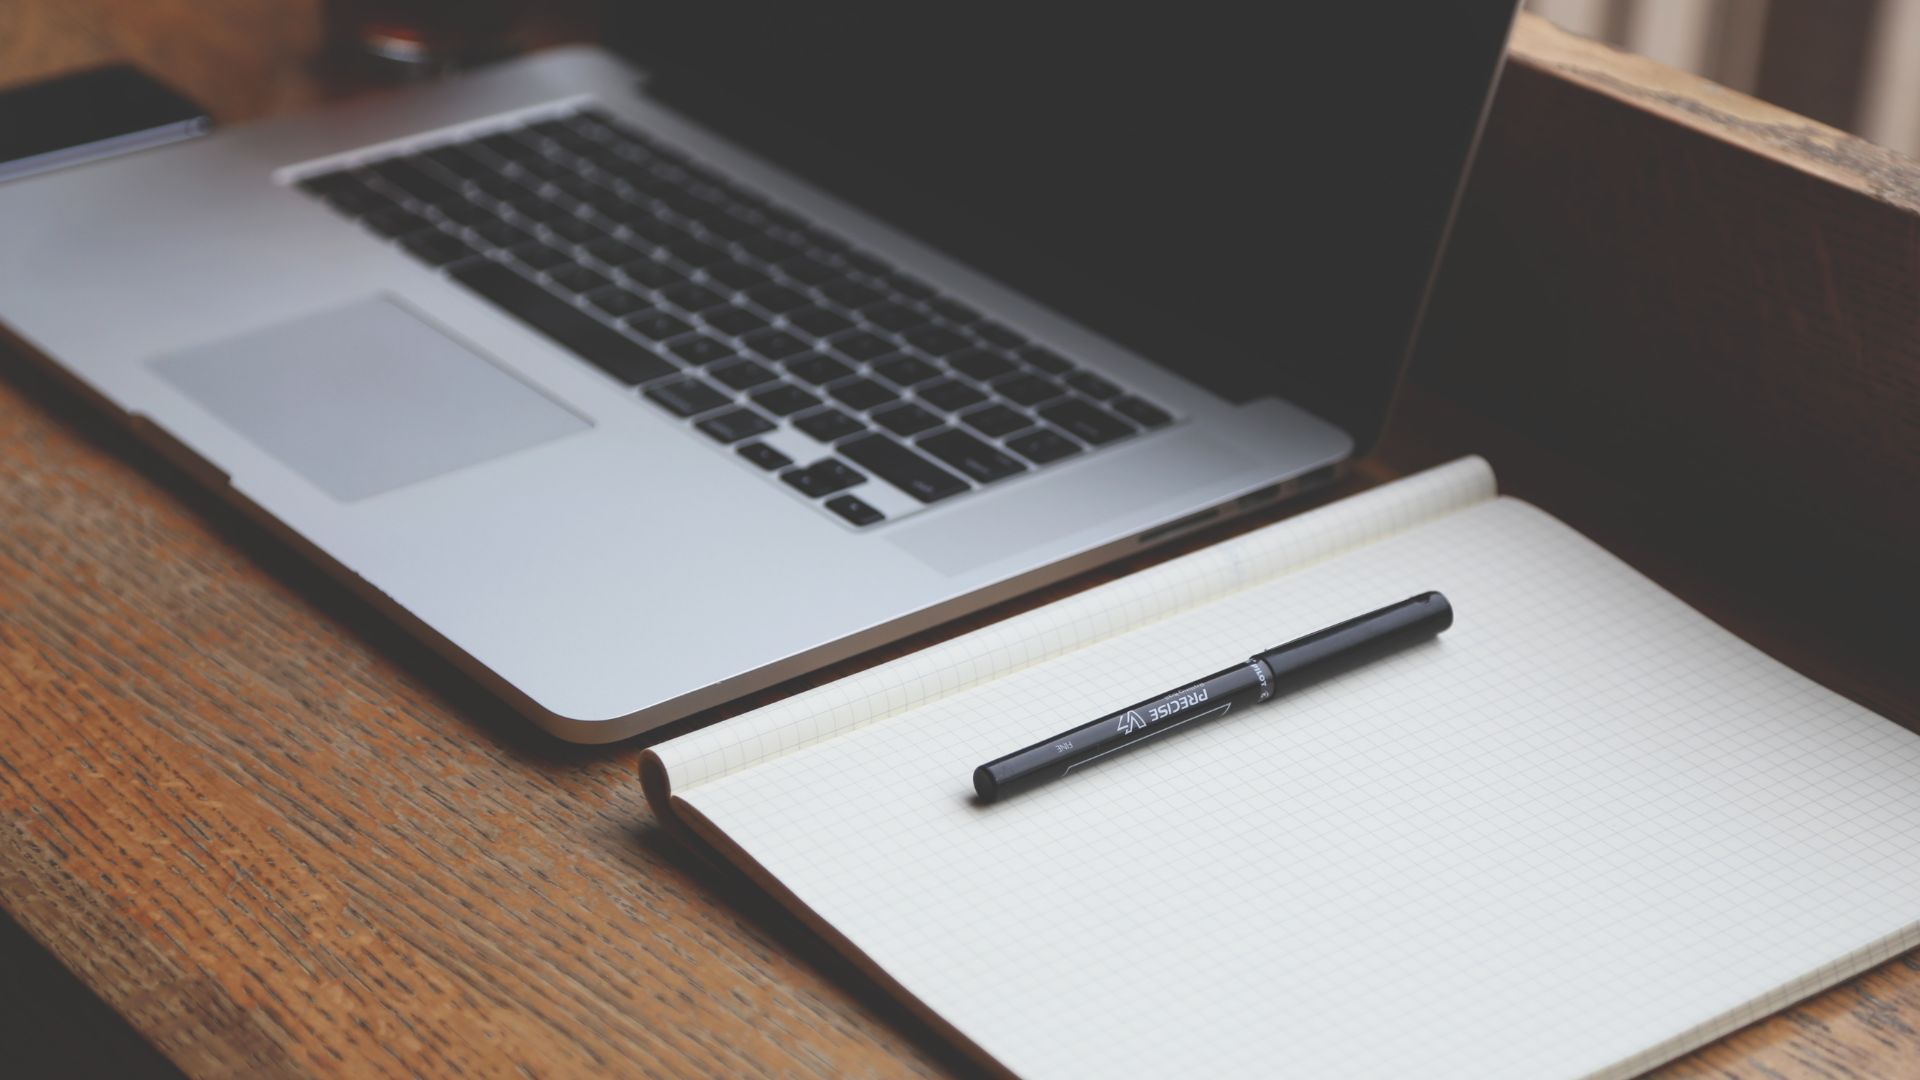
[{"x": 1252, "y": 199}]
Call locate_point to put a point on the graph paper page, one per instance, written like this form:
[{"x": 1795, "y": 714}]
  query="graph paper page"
[
  {"x": 1137, "y": 599},
  {"x": 1582, "y": 831}
]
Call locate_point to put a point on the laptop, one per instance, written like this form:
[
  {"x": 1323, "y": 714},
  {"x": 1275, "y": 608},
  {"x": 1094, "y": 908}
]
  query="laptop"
[{"x": 639, "y": 378}]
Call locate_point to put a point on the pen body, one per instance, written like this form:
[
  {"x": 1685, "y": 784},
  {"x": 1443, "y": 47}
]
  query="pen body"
[
  {"x": 1209, "y": 699},
  {"x": 1303, "y": 660}
]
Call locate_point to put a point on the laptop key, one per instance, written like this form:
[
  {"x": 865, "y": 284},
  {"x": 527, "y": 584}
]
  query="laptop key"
[
  {"x": 995, "y": 334},
  {"x": 688, "y": 296},
  {"x": 503, "y": 144},
  {"x": 903, "y": 468},
  {"x": 855, "y": 511},
  {"x": 1086, "y": 421},
  {"x": 743, "y": 374},
  {"x": 994, "y": 421},
  {"x": 538, "y": 256},
  {"x": 700, "y": 349},
  {"x": 536, "y": 210},
  {"x": 861, "y": 394},
  {"x": 905, "y": 370},
  {"x": 1028, "y": 389},
  {"x": 1043, "y": 446},
  {"x": 1093, "y": 386},
  {"x": 617, "y": 301},
  {"x": 687, "y": 397},
  {"x": 817, "y": 369},
  {"x": 970, "y": 457},
  {"x": 565, "y": 185},
  {"x": 733, "y": 321},
  {"x": 657, "y": 326},
  {"x": 393, "y": 221},
  {"x": 905, "y": 418},
  {"x": 617, "y": 355},
  {"x": 698, "y": 254},
  {"x": 325, "y": 184},
  {"x": 819, "y": 321},
  {"x": 736, "y": 275},
  {"x": 953, "y": 311},
  {"x": 822, "y": 478},
  {"x": 776, "y": 299},
  {"x": 870, "y": 265},
  {"x": 735, "y": 424},
  {"x": 823, "y": 241},
  {"x": 360, "y": 201},
  {"x": 937, "y": 341},
  {"x": 435, "y": 247},
  {"x": 497, "y": 188},
  {"x": 608, "y": 205},
  {"x": 651, "y": 273},
  {"x": 577, "y": 279},
  {"x": 414, "y": 181},
  {"x": 727, "y": 227},
  {"x": 808, "y": 270},
  {"x": 951, "y": 395},
  {"x": 861, "y": 345},
  {"x": 895, "y": 317},
  {"x": 572, "y": 230},
  {"x": 775, "y": 344},
  {"x": 1142, "y": 412},
  {"x": 464, "y": 213},
  {"x": 784, "y": 399},
  {"x": 764, "y": 456},
  {"x": 499, "y": 234},
  {"x": 1045, "y": 359},
  {"x": 829, "y": 425},
  {"x": 982, "y": 364},
  {"x": 768, "y": 249},
  {"x": 530, "y": 169},
  {"x": 610, "y": 251},
  {"x": 645, "y": 230},
  {"x": 910, "y": 286},
  {"x": 457, "y": 160},
  {"x": 850, "y": 294}
]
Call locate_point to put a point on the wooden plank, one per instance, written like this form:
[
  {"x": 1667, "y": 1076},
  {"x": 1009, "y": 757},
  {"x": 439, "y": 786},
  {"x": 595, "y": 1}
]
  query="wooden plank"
[
  {"x": 1658, "y": 254},
  {"x": 278, "y": 837},
  {"x": 1711, "y": 301}
]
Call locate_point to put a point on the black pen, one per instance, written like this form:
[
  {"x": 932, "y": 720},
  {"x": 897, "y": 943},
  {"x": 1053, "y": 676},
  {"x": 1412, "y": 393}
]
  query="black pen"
[{"x": 1265, "y": 674}]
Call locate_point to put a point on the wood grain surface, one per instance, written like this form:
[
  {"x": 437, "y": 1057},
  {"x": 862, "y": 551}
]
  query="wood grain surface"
[{"x": 274, "y": 836}]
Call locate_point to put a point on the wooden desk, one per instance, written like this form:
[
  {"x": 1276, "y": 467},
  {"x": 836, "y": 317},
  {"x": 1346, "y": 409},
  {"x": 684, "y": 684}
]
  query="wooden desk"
[{"x": 268, "y": 834}]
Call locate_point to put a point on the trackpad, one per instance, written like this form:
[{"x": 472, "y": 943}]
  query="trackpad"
[{"x": 366, "y": 398}]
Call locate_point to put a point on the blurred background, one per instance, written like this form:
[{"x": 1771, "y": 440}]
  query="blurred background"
[{"x": 1854, "y": 64}]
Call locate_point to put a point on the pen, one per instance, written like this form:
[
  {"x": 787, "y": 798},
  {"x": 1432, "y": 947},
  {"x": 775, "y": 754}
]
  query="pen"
[{"x": 1265, "y": 674}]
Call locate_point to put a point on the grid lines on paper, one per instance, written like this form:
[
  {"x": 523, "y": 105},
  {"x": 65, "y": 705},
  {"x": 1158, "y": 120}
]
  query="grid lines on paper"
[{"x": 1582, "y": 823}]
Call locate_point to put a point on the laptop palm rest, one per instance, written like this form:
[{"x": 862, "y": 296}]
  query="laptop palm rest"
[{"x": 366, "y": 397}]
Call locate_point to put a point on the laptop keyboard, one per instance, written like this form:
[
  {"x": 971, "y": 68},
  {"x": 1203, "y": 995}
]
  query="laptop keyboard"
[{"x": 863, "y": 389}]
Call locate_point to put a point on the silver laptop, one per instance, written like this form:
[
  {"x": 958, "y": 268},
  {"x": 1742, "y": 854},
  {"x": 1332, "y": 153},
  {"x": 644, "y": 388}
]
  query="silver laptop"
[{"x": 641, "y": 378}]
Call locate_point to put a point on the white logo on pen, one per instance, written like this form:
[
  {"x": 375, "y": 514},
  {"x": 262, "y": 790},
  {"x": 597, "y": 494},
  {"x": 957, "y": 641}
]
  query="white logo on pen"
[{"x": 1160, "y": 710}]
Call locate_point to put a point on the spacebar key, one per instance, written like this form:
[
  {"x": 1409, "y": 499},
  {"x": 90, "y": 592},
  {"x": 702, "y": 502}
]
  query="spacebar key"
[
  {"x": 902, "y": 468},
  {"x": 621, "y": 357}
]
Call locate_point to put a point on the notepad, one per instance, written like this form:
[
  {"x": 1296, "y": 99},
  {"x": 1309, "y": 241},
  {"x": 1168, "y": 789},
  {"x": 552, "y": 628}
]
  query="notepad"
[{"x": 1580, "y": 833}]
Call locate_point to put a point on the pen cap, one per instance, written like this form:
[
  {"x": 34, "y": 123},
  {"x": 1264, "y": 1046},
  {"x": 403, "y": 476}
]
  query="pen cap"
[{"x": 1358, "y": 640}]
